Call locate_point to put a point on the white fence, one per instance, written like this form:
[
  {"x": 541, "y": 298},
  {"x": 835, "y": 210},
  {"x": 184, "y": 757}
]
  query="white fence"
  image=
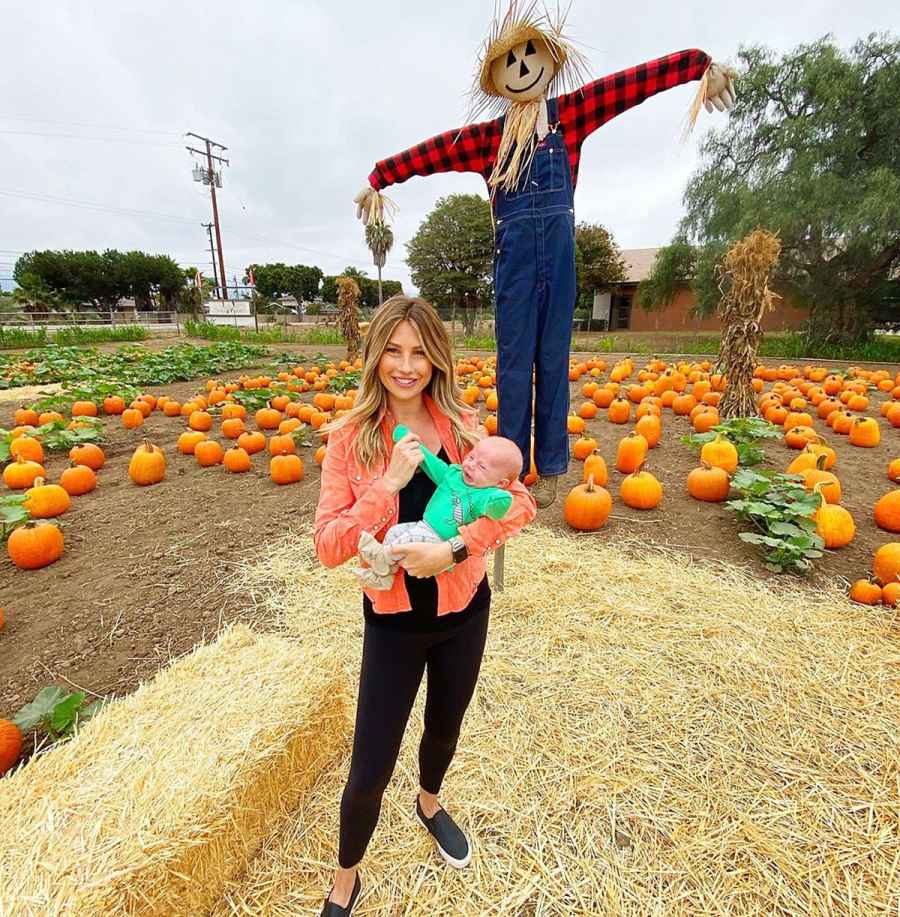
[{"x": 54, "y": 321}]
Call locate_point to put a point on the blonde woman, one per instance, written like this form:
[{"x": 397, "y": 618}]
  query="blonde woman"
[{"x": 435, "y": 615}]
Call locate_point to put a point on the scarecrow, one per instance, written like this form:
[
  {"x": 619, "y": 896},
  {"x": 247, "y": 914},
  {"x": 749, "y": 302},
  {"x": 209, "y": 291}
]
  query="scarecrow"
[{"x": 529, "y": 78}]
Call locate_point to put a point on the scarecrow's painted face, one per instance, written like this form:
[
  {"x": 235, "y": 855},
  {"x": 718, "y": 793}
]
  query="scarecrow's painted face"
[{"x": 524, "y": 72}]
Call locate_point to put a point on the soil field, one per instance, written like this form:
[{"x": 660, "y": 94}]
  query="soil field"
[{"x": 138, "y": 583}]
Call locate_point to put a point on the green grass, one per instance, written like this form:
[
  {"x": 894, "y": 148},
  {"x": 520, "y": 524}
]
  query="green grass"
[
  {"x": 209, "y": 331},
  {"x": 11, "y": 338}
]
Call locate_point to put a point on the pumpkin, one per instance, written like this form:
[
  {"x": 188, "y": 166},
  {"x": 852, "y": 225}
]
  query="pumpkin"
[
  {"x": 595, "y": 465},
  {"x": 26, "y": 417},
  {"x": 208, "y": 453},
  {"x": 865, "y": 592},
  {"x": 234, "y": 411},
  {"x": 286, "y": 469},
  {"x": 113, "y": 404},
  {"x": 132, "y": 418},
  {"x": 641, "y": 490},
  {"x": 631, "y": 453},
  {"x": 705, "y": 420},
  {"x": 798, "y": 437},
  {"x": 822, "y": 448},
  {"x": 683, "y": 404},
  {"x": 189, "y": 440},
  {"x": 289, "y": 425},
  {"x": 49, "y": 417},
  {"x": 490, "y": 424},
  {"x": 864, "y": 431},
  {"x": 887, "y": 511},
  {"x": 317, "y": 418},
  {"x": 721, "y": 453},
  {"x": 709, "y": 483},
  {"x": 232, "y": 427},
  {"x": 172, "y": 408},
  {"x": 324, "y": 401},
  {"x": 268, "y": 419},
  {"x": 147, "y": 465},
  {"x": 252, "y": 442},
  {"x": 886, "y": 563},
  {"x": 21, "y": 473},
  {"x": 28, "y": 447},
  {"x": 619, "y": 410},
  {"x": 10, "y": 745},
  {"x": 200, "y": 420},
  {"x": 320, "y": 454},
  {"x": 893, "y": 471},
  {"x": 574, "y": 424},
  {"x": 650, "y": 427},
  {"x": 588, "y": 410},
  {"x": 148, "y": 399},
  {"x": 282, "y": 445},
  {"x": 237, "y": 460},
  {"x": 35, "y": 545},
  {"x": 45, "y": 501},
  {"x": 890, "y": 594},
  {"x": 834, "y": 525},
  {"x": 603, "y": 397},
  {"x": 587, "y": 506},
  {"x": 84, "y": 409},
  {"x": 583, "y": 447},
  {"x": 831, "y": 486},
  {"x": 804, "y": 461},
  {"x": 842, "y": 422},
  {"x": 78, "y": 479},
  {"x": 89, "y": 454},
  {"x": 142, "y": 406}
]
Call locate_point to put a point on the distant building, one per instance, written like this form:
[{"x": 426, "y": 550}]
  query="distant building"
[{"x": 621, "y": 312}]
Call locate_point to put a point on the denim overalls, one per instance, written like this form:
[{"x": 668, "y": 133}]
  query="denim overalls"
[{"x": 534, "y": 284}]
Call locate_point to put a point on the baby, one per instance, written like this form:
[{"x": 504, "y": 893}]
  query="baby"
[{"x": 464, "y": 493}]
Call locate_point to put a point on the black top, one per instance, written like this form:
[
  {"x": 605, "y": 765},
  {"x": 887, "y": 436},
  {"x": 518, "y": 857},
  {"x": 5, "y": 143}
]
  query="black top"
[{"x": 422, "y": 591}]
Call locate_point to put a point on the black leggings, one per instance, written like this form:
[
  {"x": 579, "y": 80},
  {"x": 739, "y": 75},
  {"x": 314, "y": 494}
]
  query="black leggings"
[{"x": 392, "y": 667}]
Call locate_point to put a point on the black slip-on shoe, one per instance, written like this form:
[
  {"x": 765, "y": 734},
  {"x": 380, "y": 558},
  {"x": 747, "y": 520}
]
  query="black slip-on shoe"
[
  {"x": 335, "y": 910},
  {"x": 448, "y": 837}
]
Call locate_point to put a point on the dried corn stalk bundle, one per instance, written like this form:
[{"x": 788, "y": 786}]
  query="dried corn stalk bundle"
[
  {"x": 348, "y": 302},
  {"x": 746, "y": 297}
]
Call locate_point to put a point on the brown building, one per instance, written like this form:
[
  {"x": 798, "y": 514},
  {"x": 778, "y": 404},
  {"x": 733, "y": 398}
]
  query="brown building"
[{"x": 621, "y": 311}]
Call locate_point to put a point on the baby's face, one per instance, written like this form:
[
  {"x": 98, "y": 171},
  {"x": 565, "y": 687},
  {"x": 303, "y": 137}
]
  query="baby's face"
[{"x": 482, "y": 466}]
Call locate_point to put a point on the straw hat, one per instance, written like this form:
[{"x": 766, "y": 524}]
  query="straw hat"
[{"x": 517, "y": 33}]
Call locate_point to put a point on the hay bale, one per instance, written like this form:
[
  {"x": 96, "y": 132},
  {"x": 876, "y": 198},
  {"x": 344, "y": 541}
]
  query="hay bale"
[
  {"x": 650, "y": 735},
  {"x": 167, "y": 794}
]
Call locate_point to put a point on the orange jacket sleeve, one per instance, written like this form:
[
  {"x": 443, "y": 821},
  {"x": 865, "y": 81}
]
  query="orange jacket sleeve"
[{"x": 340, "y": 517}]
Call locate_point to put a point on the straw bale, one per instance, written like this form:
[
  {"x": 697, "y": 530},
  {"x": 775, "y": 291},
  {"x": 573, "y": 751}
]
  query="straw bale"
[
  {"x": 650, "y": 735},
  {"x": 167, "y": 794}
]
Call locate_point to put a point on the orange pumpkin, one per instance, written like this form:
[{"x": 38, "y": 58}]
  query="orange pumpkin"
[
  {"x": 282, "y": 445},
  {"x": 237, "y": 460},
  {"x": 232, "y": 427},
  {"x": 886, "y": 563},
  {"x": 132, "y": 418},
  {"x": 28, "y": 447},
  {"x": 78, "y": 479},
  {"x": 865, "y": 592},
  {"x": 189, "y": 440},
  {"x": 887, "y": 511},
  {"x": 721, "y": 453},
  {"x": 587, "y": 506},
  {"x": 650, "y": 427},
  {"x": 252, "y": 441},
  {"x": 893, "y": 471},
  {"x": 21, "y": 474},
  {"x": 595, "y": 465},
  {"x": 208, "y": 453},
  {"x": 172, "y": 408},
  {"x": 200, "y": 420},
  {"x": 286, "y": 469},
  {"x": 89, "y": 454},
  {"x": 26, "y": 417},
  {"x": 84, "y": 409},
  {"x": 46, "y": 501},
  {"x": 619, "y": 410},
  {"x": 641, "y": 490},
  {"x": 35, "y": 545},
  {"x": 709, "y": 483},
  {"x": 631, "y": 452},
  {"x": 834, "y": 525},
  {"x": 864, "y": 431},
  {"x": 147, "y": 465},
  {"x": 234, "y": 411},
  {"x": 10, "y": 745},
  {"x": 574, "y": 424}
]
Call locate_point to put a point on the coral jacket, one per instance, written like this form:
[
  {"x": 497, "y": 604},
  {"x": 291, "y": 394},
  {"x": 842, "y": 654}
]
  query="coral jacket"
[{"x": 353, "y": 499}]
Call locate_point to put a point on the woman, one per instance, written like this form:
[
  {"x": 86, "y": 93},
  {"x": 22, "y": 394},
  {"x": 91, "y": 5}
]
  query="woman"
[{"x": 432, "y": 617}]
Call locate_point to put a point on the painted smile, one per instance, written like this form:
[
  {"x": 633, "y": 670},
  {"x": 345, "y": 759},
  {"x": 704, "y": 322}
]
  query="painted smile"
[{"x": 531, "y": 86}]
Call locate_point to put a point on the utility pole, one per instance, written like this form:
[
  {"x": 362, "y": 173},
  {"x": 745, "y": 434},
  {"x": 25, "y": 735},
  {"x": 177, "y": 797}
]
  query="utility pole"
[
  {"x": 212, "y": 177},
  {"x": 212, "y": 254}
]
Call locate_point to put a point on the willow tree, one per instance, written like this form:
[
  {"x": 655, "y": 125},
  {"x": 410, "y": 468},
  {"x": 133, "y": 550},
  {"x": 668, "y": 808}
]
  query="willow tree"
[
  {"x": 380, "y": 240},
  {"x": 746, "y": 297},
  {"x": 348, "y": 314}
]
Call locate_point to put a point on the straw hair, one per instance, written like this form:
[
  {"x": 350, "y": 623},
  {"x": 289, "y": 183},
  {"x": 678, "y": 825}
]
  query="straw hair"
[
  {"x": 168, "y": 793},
  {"x": 650, "y": 735},
  {"x": 371, "y": 402}
]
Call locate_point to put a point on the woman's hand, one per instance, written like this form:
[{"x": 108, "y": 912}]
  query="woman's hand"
[
  {"x": 423, "y": 558},
  {"x": 406, "y": 456}
]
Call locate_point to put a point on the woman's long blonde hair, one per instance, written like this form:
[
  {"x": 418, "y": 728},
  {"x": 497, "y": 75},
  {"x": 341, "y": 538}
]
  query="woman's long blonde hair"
[{"x": 371, "y": 401}]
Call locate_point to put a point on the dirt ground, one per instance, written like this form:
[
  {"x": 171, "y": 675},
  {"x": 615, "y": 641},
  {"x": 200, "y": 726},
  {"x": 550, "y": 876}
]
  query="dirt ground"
[{"x": 139, "y": 582}]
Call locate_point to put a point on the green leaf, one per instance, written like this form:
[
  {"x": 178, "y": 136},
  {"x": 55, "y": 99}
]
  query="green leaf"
[{"x": 43, "y": 705}]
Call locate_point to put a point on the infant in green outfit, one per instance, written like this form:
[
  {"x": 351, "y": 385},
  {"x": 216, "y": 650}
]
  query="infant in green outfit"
[{"x": 466, "y": 491}]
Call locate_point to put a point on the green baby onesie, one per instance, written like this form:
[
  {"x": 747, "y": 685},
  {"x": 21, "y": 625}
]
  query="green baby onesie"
[{"x": 456, "y": 503}]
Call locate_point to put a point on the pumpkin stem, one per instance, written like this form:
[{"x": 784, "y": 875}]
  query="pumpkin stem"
[
  {"x": 590, "y": 483},
  {"x": 38, "y": 482}
]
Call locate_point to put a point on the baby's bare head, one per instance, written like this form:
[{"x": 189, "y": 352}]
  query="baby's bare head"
[{"x": 496, "y": 462}]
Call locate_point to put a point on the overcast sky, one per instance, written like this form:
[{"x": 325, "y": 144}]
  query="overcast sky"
[{"x": 307, "y": 96}]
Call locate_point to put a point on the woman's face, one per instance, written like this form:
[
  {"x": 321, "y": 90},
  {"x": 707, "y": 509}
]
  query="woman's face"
[{"x": 404, "y": 369}]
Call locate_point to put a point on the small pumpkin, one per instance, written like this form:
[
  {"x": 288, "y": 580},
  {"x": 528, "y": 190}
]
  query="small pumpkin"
[
  {"x": 26, "y": 416},
  {"x": 574, "y": 424},
  {"x": 28, "y": 447},
  {"x": 189, "y": 440},
  {"x": 21, "y": 474},
  {"x": 721, "y": 453},
  {"x": 208, "y": 453},
  {"x": 650, "y": 427},
  {"x": 237, "y": 460},
  {"x": 709, "y": 483},
  {"x": 834, "y": 524},
  {"x": 172, "y": 408},
  {"x": 35, "y": 545},
  {"x": 587, "y": 506},
  {"x": 132, "y": 418},
  {"x": 252, "y": 441},
  {"x": 84, "y": 409},
  {"x": 113, "y": 404},
  {"x": 283, "y": 444},
  {"x": 865, "y": 432},
  {"x": 320, "y": 454},
  {"x": 831, "y": 486},
  {"x": 89, "y": 454},
  {"x": 147, "y": 465},
  {"x": 641, "y": 490},
  {"x": 46, "y": 501},
  {"x": 78, "y": 480},
  {"x": 631, "y": 453},
  {"x": 865, "y": 592},
  {"x": 234, "y": 411},
  {"x": 887, "y": 511},
  {"x": 595, "y": 465},
  {"x": 142, "y": 406},
  {"x": 268, "y": 419},
  {"x": 890, "y": 594},
  {"x": 10, "y": 745},
  {"x": 583, "y": 447},
  {"x": 886, "y": 562},
  {"x": 893, "y": 471},
  {"x": 619, "y": 410},
  {"x": 286, "y": 469},
  {"x": 200, "y": 420},
  {"x": 233, "y": 427}
]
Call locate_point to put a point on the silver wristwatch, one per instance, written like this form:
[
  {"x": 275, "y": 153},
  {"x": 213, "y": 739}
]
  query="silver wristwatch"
[{"x": 459, "y": 549}]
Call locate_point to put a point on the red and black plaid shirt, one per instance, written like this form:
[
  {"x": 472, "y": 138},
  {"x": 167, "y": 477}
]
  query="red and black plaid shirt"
[{"x": 474, "y": 147}]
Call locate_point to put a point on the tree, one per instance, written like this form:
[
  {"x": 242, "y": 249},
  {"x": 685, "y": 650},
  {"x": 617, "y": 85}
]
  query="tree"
[
  {"x": 811, "y": 153},
  {"x": 380, "y": 240},
  {"x": 451, "y": 255},
  {"x": 276, "y": 280},
  {"x": 598, "y": 262}
]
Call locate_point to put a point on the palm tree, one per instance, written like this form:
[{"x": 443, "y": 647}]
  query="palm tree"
[{"x": 380, "y": 240}]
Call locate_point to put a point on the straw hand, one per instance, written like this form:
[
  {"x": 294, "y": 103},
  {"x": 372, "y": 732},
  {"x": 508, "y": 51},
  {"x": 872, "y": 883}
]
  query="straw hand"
[
  {"x": 363, "y": 202},
  {"x": 720, "y": 91}
]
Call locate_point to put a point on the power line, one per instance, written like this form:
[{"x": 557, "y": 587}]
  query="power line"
[
  {"x": 109, "y": 127},
  {"x": 84, "y": 137},
  {"x": 47, "y": 198}
]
